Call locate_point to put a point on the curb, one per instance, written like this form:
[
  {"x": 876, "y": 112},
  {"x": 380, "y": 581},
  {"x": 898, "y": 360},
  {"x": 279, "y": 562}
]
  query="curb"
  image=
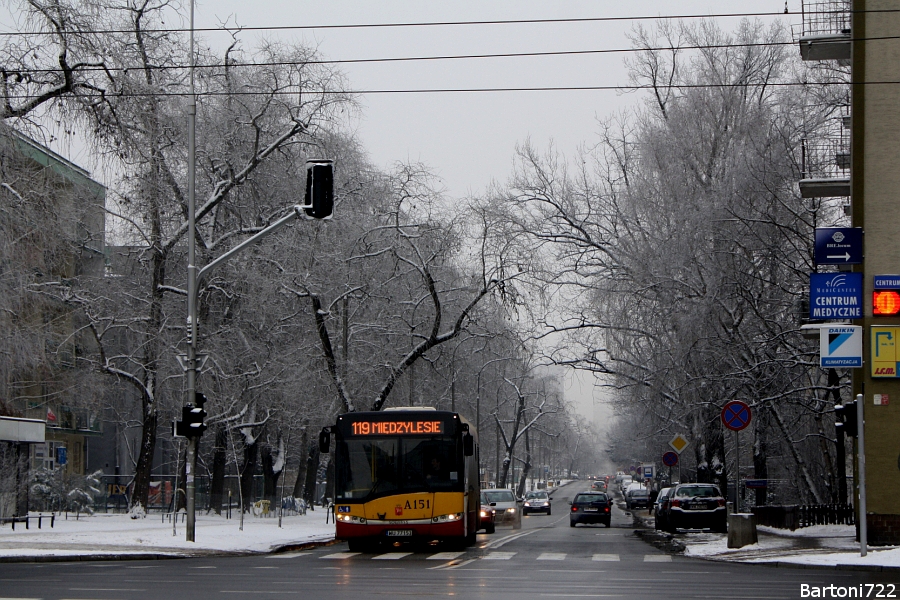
[{"x": 159, "y": 555}]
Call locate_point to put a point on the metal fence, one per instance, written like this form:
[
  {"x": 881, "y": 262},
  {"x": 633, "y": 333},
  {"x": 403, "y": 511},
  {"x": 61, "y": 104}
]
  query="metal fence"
[
  {"x": 799, "y": 516},
  {"x": 822, "y": 17}
]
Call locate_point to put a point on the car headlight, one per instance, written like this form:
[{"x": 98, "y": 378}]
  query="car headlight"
[
  {"x": 447, "y": 518},
  {"x": 510, "y": 510},
  {"x": 528, "y": 504},
  {"x": 546, "y": 504},
  {"x": 351, "y": 519},
  {"x": 484, "y": 513}
]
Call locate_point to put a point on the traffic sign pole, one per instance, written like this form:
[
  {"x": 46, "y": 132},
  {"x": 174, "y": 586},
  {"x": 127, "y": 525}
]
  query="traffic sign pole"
[{"x": 736, "y": 416}]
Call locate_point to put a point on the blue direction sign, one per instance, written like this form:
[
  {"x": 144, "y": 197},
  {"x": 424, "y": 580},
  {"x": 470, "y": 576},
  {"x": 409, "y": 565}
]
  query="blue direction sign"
[
  {"x": 838, "y": 246},
  {"x": 670, "y": 459},
  {"x": 736, "y": 415},
  {"x": 835, "y": 295}
]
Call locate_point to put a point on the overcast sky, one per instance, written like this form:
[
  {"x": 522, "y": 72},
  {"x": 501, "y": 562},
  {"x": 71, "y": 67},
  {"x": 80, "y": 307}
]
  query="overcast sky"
[{"x": 469, "y": 138}]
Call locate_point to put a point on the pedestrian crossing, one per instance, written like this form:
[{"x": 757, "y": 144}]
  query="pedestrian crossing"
[{"x": 489, "y": 555}]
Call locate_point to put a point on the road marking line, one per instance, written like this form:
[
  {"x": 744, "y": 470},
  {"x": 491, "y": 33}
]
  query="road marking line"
[
  {"x": 289, "y": 555},
  {"x": 552, "y": 556},
  {"x": 445, "y": 555},
  {"x": 340, "y": 555},
  {"x": 657, "y": 558},
  {"x": 500, "y": 555},
  {"x": 265, "y": 567},
  {"x": 606, "y": 557},
  {"x": 452, "y": 565},
  {"x": 509, "y": 538},
  {"x": 391, "y": 556}
]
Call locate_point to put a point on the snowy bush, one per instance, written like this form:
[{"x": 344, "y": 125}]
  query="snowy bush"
[{"x": 137, "y": 512}]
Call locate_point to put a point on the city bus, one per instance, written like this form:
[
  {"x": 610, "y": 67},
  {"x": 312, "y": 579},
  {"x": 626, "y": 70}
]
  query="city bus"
[{"x": 404, "y": 475}]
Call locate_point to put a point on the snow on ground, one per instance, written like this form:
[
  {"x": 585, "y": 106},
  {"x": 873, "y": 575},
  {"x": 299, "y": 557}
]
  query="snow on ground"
[
  {"x": 119, "y": 534},
  {"x": 824, "y": 545}
]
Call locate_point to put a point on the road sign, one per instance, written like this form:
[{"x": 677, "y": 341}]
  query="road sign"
[
  {"x": 885, "y": 356},
  {"x": 835, "y": 295},
  {"x": 838, "y": 246},
  {"x": 670, "y": 459},
  {"x": 736, "y": 415},
  {"x": 648, "y": 471},
  {"x": 840, "y": 346},
  {"x": 632, "y": 469},
  {"x": 757, "y": 484},
  {"x": 678, "y": 443}
]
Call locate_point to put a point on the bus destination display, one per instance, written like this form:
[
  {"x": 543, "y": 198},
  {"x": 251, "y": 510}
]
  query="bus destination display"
[{"x": 397, "y": 427}]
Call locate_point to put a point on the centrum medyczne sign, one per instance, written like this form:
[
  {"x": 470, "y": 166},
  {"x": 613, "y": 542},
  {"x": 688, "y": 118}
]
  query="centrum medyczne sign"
[{"x": 835, "y": 295}]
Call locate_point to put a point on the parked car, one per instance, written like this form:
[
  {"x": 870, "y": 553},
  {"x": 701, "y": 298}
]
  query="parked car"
[
  {"x": 696, "y": 506},
  {"x": 660, "y": 509},
  {"x": 637, "y": 496},
  {"x": 590, "y": 507},
  {"x": 536, "y": 501},
  {"x": 506, "y": 507},
  {"x": 486, "y": 515},
  {"x": 599, "y": 486},
  {"x": 626, "y": 481}
]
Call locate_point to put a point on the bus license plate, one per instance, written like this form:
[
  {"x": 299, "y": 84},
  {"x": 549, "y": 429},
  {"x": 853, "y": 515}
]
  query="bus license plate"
[{"x": 399, "y": 532}]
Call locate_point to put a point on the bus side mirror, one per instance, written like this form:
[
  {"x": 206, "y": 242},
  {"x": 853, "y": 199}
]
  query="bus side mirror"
[
  {"x": 468, "y": 444},
  {"x": 324, "y": 440}
]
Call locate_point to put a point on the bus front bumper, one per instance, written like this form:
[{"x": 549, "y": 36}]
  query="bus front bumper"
[{"x": 400, "y": 530}]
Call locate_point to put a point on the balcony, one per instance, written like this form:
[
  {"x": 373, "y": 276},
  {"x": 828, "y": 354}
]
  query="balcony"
[
  {"x": 826, "y": 168},
  {"x": 826, "y": 30}
]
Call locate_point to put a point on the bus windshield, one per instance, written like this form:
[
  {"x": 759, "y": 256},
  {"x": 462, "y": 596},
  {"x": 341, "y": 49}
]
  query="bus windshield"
[{"x": 378, "y": 466}]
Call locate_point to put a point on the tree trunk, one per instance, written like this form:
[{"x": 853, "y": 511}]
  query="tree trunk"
[
  {"x": 217, "y": 485},
  {"x": 141, "y": 487},
  {"x": 526, "y": 469},
  {"x": 301, "y": 468},
  {"x": 760, "y": 451},
  {"x": 312, "y": 468},
  {"x": 248, "y": 470},
  {"x": 270, "y": 477}
]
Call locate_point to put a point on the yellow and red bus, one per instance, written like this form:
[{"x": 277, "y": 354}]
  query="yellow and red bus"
[{"x": 404, "y": 474}]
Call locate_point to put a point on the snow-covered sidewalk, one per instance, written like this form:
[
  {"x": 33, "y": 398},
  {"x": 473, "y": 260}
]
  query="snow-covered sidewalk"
[
  {"x": 119, "y": 535},
  {"x": 822, "y": 545}
]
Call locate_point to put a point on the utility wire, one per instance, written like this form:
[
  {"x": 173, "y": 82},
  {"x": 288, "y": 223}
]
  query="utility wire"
[
  {"x": 626, "y": 88},
  {"x": 453, "y": 56},
  {"x": 459, "y": 23}
]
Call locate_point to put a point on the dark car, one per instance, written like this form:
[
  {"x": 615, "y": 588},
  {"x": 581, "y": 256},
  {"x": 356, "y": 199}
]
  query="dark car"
[
  {"x": 536, "y": 501},
  {"x": 599, "y": 486},
  {"x": 486, "y": 515},
  {"x": 590, "y": 507},
  {"x": 661, "y": 508},
  {"x": 637, "y": 497},
  {"x": 696, "y": 506}
]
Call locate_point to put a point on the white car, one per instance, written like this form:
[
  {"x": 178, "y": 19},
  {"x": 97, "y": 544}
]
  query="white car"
[{"x": 504, "y": 502}]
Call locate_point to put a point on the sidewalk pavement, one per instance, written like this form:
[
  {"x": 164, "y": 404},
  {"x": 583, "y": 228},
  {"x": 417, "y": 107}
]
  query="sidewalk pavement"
[
  {"x": 821, "y": 546},
  {"x": 118, "y": 537}
]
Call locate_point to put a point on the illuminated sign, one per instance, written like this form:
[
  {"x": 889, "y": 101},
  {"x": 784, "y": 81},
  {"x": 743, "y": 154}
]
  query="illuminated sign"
[
  {"x": 886, "y": 295},
  {"x": 397, "y": 427}
]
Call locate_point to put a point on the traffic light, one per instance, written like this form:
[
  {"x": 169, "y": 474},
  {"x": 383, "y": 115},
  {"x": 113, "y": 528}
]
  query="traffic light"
[
  {"x": 845, "y": 417},
  {"x": 191, "y": 423},
  {"x": 319, "y": 202}
]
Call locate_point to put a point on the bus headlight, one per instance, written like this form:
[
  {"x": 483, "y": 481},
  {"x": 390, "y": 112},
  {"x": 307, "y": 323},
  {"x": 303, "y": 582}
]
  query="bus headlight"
[
  {"x": 351, "y": 519},
  {"x": 447, "y": 518}
]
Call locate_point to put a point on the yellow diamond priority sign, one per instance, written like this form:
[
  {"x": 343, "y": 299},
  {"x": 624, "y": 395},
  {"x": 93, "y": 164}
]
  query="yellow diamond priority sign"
[{"x": 679, "y": 443}]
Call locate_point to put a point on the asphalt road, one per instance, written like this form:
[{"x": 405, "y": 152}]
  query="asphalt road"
[{"x": 545, "y": 559}]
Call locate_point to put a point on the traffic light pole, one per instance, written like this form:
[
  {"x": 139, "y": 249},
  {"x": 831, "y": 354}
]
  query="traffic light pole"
[{"x": 190, "y": 459}]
